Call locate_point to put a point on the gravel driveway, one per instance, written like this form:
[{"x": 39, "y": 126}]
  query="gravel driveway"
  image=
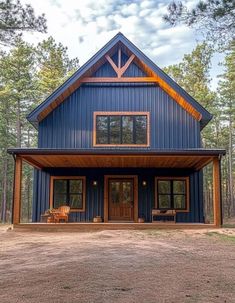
[{"x": 118, "y": 266}]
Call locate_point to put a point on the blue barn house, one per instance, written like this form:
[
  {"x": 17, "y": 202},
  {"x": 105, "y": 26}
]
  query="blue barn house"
[{"x": 120, "y": 141}]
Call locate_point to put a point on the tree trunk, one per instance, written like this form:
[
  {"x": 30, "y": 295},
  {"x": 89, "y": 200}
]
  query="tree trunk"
[
  {"x": 230, "y": 166},
  {"x": 4, "y": 191},
  {"x": 18, "y": 125}
]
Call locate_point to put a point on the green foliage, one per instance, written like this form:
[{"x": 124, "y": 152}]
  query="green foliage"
[
  {"x": 54, "y": 66},
  {"x": 213, "y": 18},
  {"x": 226, "y": 103},
  {"x": 28, "y": 74},
  {"x": 15, "y": 19}
]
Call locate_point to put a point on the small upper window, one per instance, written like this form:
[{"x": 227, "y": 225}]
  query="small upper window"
[{"x": 121, "y": 129}]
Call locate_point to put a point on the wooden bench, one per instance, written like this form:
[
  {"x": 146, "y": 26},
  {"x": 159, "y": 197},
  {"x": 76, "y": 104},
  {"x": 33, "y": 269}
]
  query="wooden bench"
[{"x": 163, "y": 214}]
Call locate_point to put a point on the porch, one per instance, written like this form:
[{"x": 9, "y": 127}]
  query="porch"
[
  {"x": 143, "y": 167},
  {"x": 88, "y": 227}
]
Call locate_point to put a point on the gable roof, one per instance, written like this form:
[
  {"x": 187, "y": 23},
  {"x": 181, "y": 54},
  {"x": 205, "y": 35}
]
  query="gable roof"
[{"x": 164, "y": 81}]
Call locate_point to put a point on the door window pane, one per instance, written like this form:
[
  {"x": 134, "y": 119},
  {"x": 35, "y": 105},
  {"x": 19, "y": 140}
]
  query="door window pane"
[
  {"x": 164, "y": 201},
  {"x": 141, "y": 129},
  {"x": 102, "y": 130},
  {"x": 115, "y": 192},
  {"x": 127, "y": 130},
  {"x": 115, "y": 129},
  {"x": 127, "y": 194}
]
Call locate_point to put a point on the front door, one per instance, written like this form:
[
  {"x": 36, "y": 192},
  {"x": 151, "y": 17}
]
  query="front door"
[{"x": 121, "y": 199}]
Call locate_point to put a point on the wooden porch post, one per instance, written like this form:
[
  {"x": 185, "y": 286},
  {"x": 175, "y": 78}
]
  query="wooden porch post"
[
  {"x": 17, "y": 190},
  {"x": 217, "y": 192}
]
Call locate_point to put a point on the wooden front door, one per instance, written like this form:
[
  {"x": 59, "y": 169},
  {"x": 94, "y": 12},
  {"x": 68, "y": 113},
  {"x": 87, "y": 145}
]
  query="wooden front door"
[{"x": 121, "y": 199}]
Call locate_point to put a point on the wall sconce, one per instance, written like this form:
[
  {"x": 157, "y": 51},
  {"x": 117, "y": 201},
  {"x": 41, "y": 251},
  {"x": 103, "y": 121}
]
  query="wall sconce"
[
  {"x": 144, "y": 183},
  {"x": 94, "y": 183}
]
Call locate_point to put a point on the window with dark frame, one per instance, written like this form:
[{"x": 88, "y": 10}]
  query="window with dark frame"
[
  {"x": 172, "y": 194},
  {"x": 121, "y": 129},
  {"x": 68, "y": 192}
]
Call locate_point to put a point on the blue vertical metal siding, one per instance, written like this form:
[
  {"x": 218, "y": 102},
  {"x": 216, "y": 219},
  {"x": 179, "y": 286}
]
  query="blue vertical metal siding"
[
  {"x": 95, "y": 195},
  {"x": 71, "y": 124}
]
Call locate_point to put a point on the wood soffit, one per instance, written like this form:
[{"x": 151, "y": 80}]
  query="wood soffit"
[
  {"x": 120, "y": 70},
  {"x": 195, "y": 162}
]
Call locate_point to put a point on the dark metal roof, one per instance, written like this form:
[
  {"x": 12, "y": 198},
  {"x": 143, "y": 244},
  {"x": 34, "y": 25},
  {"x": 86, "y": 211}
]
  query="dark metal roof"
[
  {"x": 115, "y": 151},
  {"x": 33, "y": 116}
]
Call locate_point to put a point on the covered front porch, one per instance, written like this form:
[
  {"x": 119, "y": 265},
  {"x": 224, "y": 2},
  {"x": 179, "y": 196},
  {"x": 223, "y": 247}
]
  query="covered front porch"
[{"x": 103, "y": 169}]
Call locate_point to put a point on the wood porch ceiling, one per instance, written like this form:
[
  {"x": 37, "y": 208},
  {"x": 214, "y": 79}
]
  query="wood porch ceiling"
[{"x": 41, "y": 161}]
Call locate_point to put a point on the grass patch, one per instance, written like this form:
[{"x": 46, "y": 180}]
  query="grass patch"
[
  {"x": 228, "y": 226},
  {"x": 227, "y": 238}
]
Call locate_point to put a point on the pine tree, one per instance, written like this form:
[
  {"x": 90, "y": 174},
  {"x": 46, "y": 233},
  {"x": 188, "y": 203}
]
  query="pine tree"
[
  {"x": 226, "y": 92},
  {"x": 16, "y": 18},
  {"x": 28, "y": 75},
  {"x": 54, "y": 66}
]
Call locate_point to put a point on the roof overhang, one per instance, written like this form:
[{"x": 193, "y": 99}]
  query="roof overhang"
[{"x": 194, "y": 159}]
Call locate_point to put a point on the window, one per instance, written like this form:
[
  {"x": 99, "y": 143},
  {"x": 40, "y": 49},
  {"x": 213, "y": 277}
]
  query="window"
[
  {"x": 68, "y": 191},
  {"x": 121, "y": 128},
  {"x": 172, "y": 193}
]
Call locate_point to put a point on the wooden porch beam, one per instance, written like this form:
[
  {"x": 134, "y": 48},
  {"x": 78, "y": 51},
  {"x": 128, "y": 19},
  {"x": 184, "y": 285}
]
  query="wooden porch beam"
[
  {"x": 217, "y": 192},
  {"x": 201, "y": 164},
  {"x": 17, "y": 190},
  {"x": 32, "y": 162},
  {"x": 115, "y": 79}
]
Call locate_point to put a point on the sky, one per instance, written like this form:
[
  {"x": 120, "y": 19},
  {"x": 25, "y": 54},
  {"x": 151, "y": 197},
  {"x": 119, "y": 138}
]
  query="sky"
[{"x": 84, "y": 26}]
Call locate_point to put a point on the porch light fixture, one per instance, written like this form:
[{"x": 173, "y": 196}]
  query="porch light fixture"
[
  {"x": 144, "y": 183},
  {"x": 94, "y": 183}
]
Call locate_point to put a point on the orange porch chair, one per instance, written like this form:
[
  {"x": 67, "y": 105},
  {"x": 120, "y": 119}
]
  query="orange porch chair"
[{"x": 62, "y": 213}]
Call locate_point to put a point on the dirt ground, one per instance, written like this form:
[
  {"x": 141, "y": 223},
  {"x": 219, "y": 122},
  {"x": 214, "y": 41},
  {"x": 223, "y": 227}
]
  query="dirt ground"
[{"x": 150, "y": 266}]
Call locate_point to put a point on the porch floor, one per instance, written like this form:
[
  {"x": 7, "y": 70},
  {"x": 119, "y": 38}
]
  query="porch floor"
[{"x": 89, "y": 226}]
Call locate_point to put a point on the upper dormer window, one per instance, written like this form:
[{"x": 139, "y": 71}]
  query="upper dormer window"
[{"x": 121, "y": 129}]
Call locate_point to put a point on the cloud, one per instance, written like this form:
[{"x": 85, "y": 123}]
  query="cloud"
[{"x": 85, "y": 26}]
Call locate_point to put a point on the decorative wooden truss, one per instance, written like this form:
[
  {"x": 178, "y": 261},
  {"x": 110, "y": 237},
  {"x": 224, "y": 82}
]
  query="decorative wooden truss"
[{"x": 120, "y": 70}]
